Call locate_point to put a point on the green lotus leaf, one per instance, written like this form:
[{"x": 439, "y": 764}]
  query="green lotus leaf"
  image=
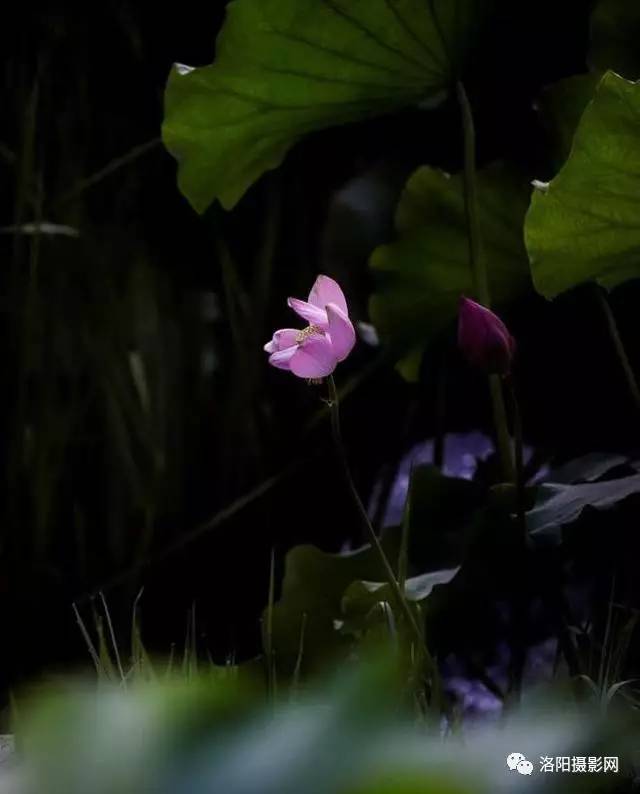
[
  {"x": 585, "y": 224},
  {"x": 285, "y": 68}
]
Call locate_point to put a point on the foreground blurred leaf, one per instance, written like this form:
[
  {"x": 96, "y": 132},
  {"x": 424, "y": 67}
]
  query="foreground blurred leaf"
[
  {"x": 348, "y": 738},
  {"x": 423, "y": 273},
  {"x": 109, "y": 741},
  {"x": 615, "y": 33},
  {"x": 285, "y": 68},
  {"x": 585, "y": 225},
  {"x": 212, "y": 734},
  {"x": 557, "y": 506}
]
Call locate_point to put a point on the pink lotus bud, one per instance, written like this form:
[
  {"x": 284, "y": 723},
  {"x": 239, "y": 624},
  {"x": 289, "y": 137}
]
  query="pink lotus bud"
[{"x": 484, "y": 339}]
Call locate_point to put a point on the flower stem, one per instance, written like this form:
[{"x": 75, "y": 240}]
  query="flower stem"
[
  {"x": 476, "y": 257},
  {"x": 390, "y": 575},
  {"x": 521, "y": 506},
  {"x": 502, "y": 428},
  {"x": 441, "y": 415},
  {"x": 621, "y": 351},
  {"x": 480, "y": 275},
  {"x": 519, "y": 561}
]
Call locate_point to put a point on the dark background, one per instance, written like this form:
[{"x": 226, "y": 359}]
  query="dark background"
[{"x": 93, "y": 485}]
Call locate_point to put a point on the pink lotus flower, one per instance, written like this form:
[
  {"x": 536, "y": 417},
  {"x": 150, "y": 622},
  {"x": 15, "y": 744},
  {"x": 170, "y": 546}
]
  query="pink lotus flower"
[
  {"x": 314, "y": 351},
  {"x": 484, "y": 338}
]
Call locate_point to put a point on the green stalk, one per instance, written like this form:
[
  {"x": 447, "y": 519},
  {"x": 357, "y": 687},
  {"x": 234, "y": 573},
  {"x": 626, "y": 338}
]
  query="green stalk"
[
  {"x": 480, "y": 276},
  {"x": 502, "y": 428},
  {"x": 521, "y": 506},
  {"x": 621, "y": 352},
  {"x": 476, "y": 252},
  {"x": 441, "y": 415},
  {"x": 390, "y": 575},
  {"x": 268, "y": 630},
  {"x": 519, "y": 562}
]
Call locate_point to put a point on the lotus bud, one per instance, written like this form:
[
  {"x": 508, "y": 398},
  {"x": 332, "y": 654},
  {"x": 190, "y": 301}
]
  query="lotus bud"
[{"x": 484, "y": 339}]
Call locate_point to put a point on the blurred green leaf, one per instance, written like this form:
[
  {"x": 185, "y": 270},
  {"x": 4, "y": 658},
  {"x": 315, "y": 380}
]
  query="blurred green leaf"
[
  {"x": 346, "y": 738},
  {"x": 112, "y": 741},
  {"x": 285, "y": 68},
  {"x": 423, "y": 273},
  {"x": 615, "y": 33},
  {"x": 405, "y": 783},
  {"x": 585, "y": 225}
]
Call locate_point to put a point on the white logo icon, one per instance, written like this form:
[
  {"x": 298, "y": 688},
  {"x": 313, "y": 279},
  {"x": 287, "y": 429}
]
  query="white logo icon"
[
  {"x": 518, "y": 763},
  {"x": 525, "y": 767}
]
